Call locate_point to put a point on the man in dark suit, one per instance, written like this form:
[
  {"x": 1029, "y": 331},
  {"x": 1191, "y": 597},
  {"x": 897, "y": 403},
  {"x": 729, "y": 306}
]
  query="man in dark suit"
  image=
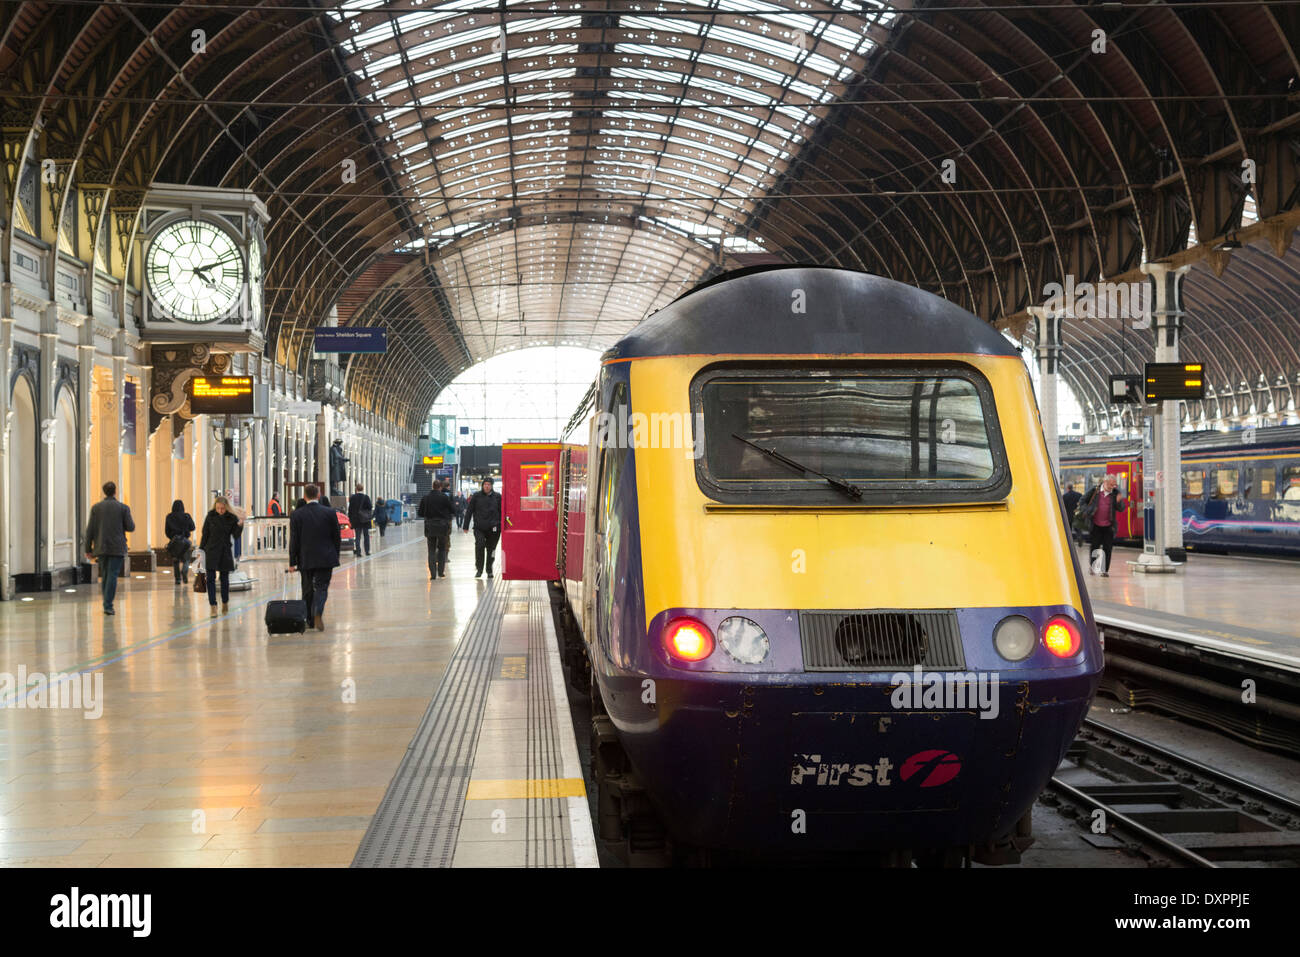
[
  {"x": 438, "y": 514},
  {"x": 314, "y": 542},
  {"x": 1071, "y": 499},
  {"x": 110, "y": 520},
  {"x": 484, "y": 511},
  {"x": 360, "y": 511}
]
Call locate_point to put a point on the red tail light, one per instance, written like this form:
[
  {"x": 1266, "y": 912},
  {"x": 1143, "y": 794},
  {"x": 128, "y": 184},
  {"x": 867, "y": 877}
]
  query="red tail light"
[
  {"x": 687, "y": 639},
  {"x": 1061, "y": 636}
]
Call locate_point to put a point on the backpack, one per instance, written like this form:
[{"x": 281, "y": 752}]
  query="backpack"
[
  {"x": 178, "y": 546},
  {"x": 364, "y": 515},
  {"x": 1087, "y": 508}
]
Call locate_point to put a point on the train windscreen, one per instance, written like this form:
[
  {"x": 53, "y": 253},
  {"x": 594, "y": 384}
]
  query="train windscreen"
[{"x": 852, "y": 432}]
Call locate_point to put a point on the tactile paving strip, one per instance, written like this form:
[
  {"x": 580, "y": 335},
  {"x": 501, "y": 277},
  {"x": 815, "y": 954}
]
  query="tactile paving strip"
[
  {"x": 418, "y": 820},
  {"x": 547, "y": 844}
]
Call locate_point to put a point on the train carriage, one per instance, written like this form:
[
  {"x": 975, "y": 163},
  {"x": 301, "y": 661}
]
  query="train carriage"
[
  {"x": 1240, "y": 490},
  {"x": 827, "y": 593}
]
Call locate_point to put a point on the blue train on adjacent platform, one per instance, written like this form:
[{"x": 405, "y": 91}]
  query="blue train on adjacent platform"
[{"x": 1241, "y": 490}]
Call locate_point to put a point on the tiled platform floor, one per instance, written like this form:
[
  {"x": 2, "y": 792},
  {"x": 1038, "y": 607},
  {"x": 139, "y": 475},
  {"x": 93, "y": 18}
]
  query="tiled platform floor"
[
  {"x": 526, "y": 805},
  {"x": 1258, "y": 600},
  {"x": 217, "y": 744}
]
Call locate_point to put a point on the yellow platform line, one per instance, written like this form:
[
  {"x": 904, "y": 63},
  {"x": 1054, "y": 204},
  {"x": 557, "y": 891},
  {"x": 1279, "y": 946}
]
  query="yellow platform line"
[{"x": 532, "y": 788}]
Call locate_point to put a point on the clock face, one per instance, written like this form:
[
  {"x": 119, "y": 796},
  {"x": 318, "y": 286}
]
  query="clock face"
[
  {"x": 255, "y": 281},
  {"x": 195, "y": 270}
]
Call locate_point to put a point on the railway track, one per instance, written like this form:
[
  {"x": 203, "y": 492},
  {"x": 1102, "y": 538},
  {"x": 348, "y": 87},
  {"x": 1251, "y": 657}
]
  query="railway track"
[
  {"x": 1133, "y": 794},
  {"x": 1150, "y": 667}
]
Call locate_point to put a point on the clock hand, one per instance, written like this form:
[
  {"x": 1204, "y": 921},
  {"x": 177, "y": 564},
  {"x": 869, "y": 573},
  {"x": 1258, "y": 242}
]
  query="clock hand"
[{"x": 228, "y": 259}]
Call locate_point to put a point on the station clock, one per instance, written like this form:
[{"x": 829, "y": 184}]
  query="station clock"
[
  {"x": 199, "y": 260},
  {"x": 196, "y": 272},
  {"x": 255, "y": 277}
]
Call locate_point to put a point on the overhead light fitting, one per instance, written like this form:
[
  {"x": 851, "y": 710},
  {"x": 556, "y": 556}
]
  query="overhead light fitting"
[{"x": 1228, "y": 244}]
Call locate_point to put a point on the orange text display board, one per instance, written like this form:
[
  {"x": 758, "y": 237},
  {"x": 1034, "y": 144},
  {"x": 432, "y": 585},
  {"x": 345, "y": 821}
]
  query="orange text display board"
[
  {"x": 221, "y": 395},
  {"x": 529, "y": 472}
]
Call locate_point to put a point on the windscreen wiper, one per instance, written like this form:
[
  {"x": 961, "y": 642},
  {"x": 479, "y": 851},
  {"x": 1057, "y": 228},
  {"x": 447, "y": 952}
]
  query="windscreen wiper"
[{"x": 840, "y": 485}]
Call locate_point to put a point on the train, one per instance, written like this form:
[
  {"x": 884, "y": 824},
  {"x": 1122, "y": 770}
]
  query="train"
[
  {"x": 1240, "y": 489},
  {"x": 808, "y": 543}
]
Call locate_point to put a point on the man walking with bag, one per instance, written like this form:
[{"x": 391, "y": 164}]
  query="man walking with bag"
[
  {"x": 484, "y": 511},
  {"x": 314, "y": 542},
  {"x": 110, "y": 520},
  {"x": 438, "y": 514},
  {"x": 1101, "y": 510},
  {"x": 360, "y": 512}
]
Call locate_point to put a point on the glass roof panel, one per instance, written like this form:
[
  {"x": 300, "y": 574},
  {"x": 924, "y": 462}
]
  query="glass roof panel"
[{"x": 573, "y": 172}]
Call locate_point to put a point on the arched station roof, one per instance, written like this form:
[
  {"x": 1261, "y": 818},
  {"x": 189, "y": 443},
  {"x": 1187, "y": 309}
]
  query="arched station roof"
[{"x": 551, "y": 172}]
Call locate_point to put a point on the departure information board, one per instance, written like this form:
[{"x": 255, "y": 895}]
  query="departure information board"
[
  {"x": 221, "y": 395},
  {"x": 1174, "y": 380}
]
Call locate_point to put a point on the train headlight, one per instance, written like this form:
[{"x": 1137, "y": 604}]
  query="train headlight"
[
  {"x": 688, "y": 639},
  {"x": 1015, "y": 638},
  {"x": 1061, "y": 636},
  {"x": 744, "y": 640}
]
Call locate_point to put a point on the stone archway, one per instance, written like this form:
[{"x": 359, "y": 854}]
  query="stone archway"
[{"x": 22, "y": 518}]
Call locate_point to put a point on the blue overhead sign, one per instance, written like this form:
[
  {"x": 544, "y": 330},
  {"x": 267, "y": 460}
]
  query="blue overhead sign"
[{"x": 360, "y": 339}]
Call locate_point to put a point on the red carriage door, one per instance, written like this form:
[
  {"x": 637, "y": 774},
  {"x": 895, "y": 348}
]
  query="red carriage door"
[
  {"x": 1128, "y": 477},
  {"x": 529, "y": 473}
]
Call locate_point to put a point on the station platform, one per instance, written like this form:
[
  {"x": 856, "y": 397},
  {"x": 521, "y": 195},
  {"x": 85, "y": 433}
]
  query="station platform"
[
  {"x": 1239, "y": 605},
  {"x": 204, "y": 741}
]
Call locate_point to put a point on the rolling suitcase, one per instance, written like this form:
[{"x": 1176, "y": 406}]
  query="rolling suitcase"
[{"x": 286, "y": 617}]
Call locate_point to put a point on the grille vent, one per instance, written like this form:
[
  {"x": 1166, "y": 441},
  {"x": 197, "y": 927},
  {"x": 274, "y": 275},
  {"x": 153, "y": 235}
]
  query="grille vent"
[{"x": 881, "y": 640}]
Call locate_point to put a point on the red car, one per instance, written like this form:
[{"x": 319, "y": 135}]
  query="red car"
[{"x": 346, "y": 531}]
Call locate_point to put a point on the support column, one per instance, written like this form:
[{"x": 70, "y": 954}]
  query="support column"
[
  {"x": 112, "y": 439},
  {"x": 143, "y": 504},
  {"x": 287, "y": 461},
  {"x": 1048, "y": 335},
  {"x": 174, "y": 487},
  {"x": 85, "y": 441},
  {"x": 6, "y": 493},
  {"x": 261, "y": 492},
  {"x": 194, "y": 496},
  {"x": 1167, "y": 323},
  {"x": 161, "y": 479},
  {"x": 274, "y": 458},
  {"x": 201, "y": 470},
  {"x": 320, "y": 453},
  {"x": 46, "y": 418}
]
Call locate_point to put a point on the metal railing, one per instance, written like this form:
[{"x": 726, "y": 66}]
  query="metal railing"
[{"x": 265, "y": 537}]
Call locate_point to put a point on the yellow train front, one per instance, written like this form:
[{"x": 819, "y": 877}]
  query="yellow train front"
[{"x": 827, "y": 591}]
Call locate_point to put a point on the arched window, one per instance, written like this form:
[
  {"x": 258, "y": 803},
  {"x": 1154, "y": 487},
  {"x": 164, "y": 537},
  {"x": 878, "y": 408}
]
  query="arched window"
[
  {"x": 22, "y": 481},
  {"x": 65, "y": 481}
]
